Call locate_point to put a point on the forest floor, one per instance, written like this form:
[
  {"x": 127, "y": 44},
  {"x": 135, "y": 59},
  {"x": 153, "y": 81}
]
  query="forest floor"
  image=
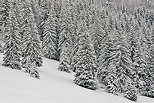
[{"x": 53, "y": 87}]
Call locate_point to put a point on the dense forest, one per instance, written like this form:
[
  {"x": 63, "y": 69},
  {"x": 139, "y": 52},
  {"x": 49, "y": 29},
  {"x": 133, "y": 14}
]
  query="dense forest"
[{"x": 108, "y": 44}]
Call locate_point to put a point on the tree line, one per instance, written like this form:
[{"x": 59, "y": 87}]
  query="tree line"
[{"x": 107, "y": 45}]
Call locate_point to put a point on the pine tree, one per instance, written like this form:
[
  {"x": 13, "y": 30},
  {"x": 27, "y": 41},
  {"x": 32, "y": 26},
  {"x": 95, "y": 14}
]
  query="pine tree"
[
  {"x": 51, "y": 32},
  {"x": 32, "y": 52},
  {"x": 65, "y": 58},
  {"x": 97, "y": 33},
  {"x": 12, "y": 46},
  {"x": 146, "y": 75},
  {"x": 104, "y": 58},
  {"x": 144, "y": 17},
  {"x": 1, "y": 48},
  {"x": 69, "y": 27},
  {"x": 41, "y": 10},
  {"x": 116, "y": 70},
  {"x": 105, "y": 51},
  {"x": 50, "y": 38},
  {"x": 67, "y": 32},
  {"x": 85, "y": 63},
  {"x": 21, "y": 16},
  {"x": 4, "y": 17},
  {"x": 79, "y": 31},
  {"x": 130, "y": 92},
  {"x": 132, "y": 33}
]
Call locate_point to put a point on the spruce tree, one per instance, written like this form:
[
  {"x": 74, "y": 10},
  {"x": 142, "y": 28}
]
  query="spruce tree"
[
  {"x": 32, "y": 52},
  {"x": 146, "y": 75},
  {"x": 52, "y": 32},
  {"x": 85, "y": 63},
  {"x": 41, "y": 10},
  {"x": 132, "y": 33},
  {"x": 104, "y": 58},
  {"x": 79, "y": 31},
  {"x": 105, "y": 52},
  {"x": 12, "y": 45},
  {"x": 116, "y": 71},
  {"x": 1, "y": 48},
  {"x": 66, "y": 37},
  {"x": 4, "y": 17},
  {"x": 50, "y": 38},
  {"x": 97, "y": 32},
  {"x": 65, "y": 58}
]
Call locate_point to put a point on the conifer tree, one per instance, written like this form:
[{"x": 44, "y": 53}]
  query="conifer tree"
[
  {"x": 65, "y": 58},
  {"x": 67, "y": 33},
  {"x": 50, "y": 38},
  {"x": 12, "y": 45},
  {"x": 135, "y": 48},
  {"x": 49, "y": 44},
  {"x": 97, "y": 32},
  {"x": 4, "y": 17},
  {"x": 51, "y": 32},
  {"x": 85, "y": 63},
  {"x": 79, "y": 31},
  {"x": 116, "y": 71},
  {"x": 122, "y": 66},
  {"x": 1, "y": 48},
  {"x": 105, "y": 51},
  {"x": 32, "y": 52},
  {"x": 146, "y": 75},
  {"x": 41, "y": 10},
  {"x": 69, "y": 27},
  {"x": 104, "y": 58}
]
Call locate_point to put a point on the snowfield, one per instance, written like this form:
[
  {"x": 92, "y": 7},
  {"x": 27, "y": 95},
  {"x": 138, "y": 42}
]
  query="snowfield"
[{"x": 53, "y": 87}]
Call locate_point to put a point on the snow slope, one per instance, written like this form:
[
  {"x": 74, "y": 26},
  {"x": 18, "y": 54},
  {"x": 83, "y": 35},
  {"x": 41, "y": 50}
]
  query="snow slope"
[{"x": 53, "y": 87}]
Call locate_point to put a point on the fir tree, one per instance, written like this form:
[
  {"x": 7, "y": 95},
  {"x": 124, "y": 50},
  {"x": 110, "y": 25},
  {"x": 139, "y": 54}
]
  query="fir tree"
[
  {"x": 50, "y": 38},
  {"x": 4, "y": 17},
  {"x": 66, "y": 34},
  {"x": 51, "y": 32},
  {"x": 104, "y": 58},
  {"x": 85, "y": 63},
  {"x": 117, "y": 70},
  {"x": 105, "y": 52},
  {"x": 65, "y": 58},
  {"x": 146, "y": 75},
  {"x": 41, "y": 10},
  {"x": 32, "y": 53},
  {"x": 1, "y": 48},
  {"x": 79, "y": 31},
  {"x": 97, "y": 33},
  {"x": 12, "y": 46},
  {"x": 130, "y": 92}
]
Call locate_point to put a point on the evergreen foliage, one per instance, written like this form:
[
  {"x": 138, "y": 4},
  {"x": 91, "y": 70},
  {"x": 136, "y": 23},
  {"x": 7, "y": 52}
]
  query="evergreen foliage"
[
  {"x": 65, "y": 58},
  {"x": 12, "y": 45},
  {"x": 85, "y": 63},
  {"x": 50, "y": 39},
  {"x": 86, "y": 37},
  {"x": 51, "y": 32},
  {"x": 32, "y": 53},
  {"x": 4, "y": 17}
]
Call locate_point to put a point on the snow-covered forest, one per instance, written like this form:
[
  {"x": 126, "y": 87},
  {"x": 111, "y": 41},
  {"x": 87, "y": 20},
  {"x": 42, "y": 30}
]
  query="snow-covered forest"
[{"x": 108, "y": 44}]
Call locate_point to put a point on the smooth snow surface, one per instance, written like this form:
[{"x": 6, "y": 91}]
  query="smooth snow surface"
[{"x": 53, "y": 87}]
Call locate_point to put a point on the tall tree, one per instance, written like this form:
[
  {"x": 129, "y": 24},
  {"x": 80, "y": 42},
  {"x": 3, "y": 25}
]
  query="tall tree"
[
  {"x": 146, "y": 75},
  {"x": 85, "y": 63},
  {"x": 52, "y": 32},
  {"x": 65, "y": 58},
  {"x": 32, "y": 52},
  {"x": 4, "y": 17},
  {"x": 41, "y": 10},
  {"x": 12, "y": 46},
  {"x": 117, "y": 71},
  {"x": 49, "y": 43}
]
